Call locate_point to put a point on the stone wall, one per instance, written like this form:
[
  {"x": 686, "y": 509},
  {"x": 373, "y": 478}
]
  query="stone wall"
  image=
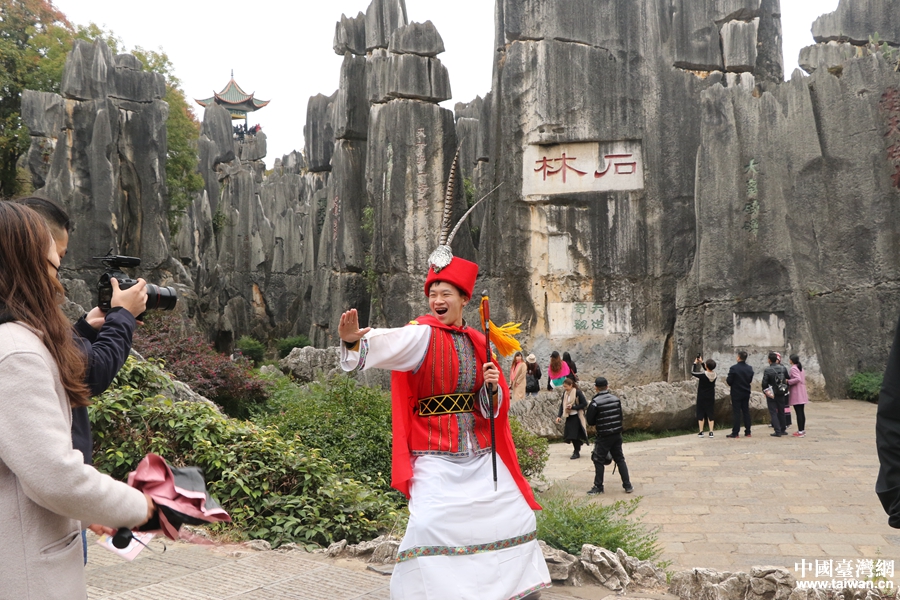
[
  {"x": 662, "y": 192},
  {"x": 99, "y": 148}
]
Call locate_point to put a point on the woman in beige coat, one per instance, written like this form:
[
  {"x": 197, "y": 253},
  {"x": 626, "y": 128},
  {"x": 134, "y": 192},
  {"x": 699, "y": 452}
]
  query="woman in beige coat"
[
  {"x": 45, "y": 487},
  {"x": 517, "y": 377}
]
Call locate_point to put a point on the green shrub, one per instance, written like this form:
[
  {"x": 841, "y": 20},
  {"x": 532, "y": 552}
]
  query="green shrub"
[
  {"x": 231, "y": 384},
  {"x": 568, "y": 522},
  {"x": 531, "y": 450},
  {"x": 865, "y": 386},
  {"x": 349, "y": 422},
  {"x": 252, "y": 349},
  {"x": 274, "y": 488},
  {"x": 285, "y": 345}
]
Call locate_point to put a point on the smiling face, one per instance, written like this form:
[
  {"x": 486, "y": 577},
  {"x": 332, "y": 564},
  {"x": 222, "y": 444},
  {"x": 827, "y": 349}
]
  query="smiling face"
[{"x": 446, "y": 303}]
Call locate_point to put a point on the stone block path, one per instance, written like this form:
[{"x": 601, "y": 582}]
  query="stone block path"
[
  {"x": 719, "y": 503},
  {"x": 730, "y": 504}
]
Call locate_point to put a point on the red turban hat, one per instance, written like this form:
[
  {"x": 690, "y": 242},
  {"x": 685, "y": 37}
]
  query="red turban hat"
[{"x": 461, "y": 273}]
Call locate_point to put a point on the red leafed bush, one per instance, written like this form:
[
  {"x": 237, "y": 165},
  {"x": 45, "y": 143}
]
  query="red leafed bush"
[{"x": 231, "y": 384}]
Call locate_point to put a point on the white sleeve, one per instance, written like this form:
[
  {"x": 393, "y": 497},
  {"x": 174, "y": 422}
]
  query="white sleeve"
[
  {"x": 484, "y": 402},
  {"x": 396, "y": 349}
]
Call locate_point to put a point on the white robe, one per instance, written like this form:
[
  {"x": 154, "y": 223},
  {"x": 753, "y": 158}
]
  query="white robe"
[{"x": 464, "y": 541}]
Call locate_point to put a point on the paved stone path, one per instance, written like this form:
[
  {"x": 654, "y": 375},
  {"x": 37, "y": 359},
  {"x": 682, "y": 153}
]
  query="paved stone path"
[
  {"x": 720, "y": 503},
  {"x": 730, "y": 504}
]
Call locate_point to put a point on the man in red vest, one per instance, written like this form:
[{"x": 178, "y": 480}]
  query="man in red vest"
[{"x": 443, "y": 389}]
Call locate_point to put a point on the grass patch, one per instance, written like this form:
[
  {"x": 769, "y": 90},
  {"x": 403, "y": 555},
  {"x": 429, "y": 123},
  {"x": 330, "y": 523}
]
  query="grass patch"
[
  {"x": 568, "y": 522},
  {"x": 640, "y": 435}
]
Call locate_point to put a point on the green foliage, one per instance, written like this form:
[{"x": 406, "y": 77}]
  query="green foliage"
[
  {"x": 274, "y": 488},
  {"x": 231, "y": 384},
  {"x": 865, "y": 386},
  {"x": 368, "y": 221},
  {"x": 285, "y": 345},
  {"x": 34, "y": 39},
  {"x": 252, "y": 349},
  {"x": 568, "y": 522},
  {"x": 531, "y": 450},
  {"x": 348, "y": 421},
  {"x": 220, "y": 221}
]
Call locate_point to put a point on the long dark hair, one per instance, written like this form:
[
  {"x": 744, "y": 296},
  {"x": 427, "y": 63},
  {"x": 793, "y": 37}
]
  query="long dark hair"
[
  {"x": 795, "y": 359},
  {"x": 29, "y": 294}
]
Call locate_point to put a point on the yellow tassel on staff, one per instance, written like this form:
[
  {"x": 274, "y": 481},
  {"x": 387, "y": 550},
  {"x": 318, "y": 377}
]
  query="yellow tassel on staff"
[{"x": 502, "y": 336}]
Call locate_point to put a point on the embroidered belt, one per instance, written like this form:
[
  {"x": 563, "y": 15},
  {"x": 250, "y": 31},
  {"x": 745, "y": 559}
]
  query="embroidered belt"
[{"x": 446, "y": 404}]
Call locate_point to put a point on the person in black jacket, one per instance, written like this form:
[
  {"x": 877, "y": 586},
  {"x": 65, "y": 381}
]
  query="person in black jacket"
[
  {"x": 572, "y": 405},
  {"x": 776, "y": 400},
  {"x": 740, "y": 376},
  {"x": 887, "y": 436},
  {"x": 105, "y": 338},
  {"x": 706, "y": 392},
  {"x": 605, "y": 413}
]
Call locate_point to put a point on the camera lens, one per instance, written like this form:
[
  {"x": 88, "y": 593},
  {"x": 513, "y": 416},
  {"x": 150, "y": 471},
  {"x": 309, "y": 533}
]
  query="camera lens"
[{"x": 161, "y": 297}]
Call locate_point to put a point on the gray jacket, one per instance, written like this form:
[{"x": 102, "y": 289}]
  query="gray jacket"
[{"x": 45, "y": 487}]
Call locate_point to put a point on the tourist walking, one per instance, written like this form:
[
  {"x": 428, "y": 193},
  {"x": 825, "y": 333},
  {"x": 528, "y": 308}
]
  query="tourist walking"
[
  {"x": 444, "y": 388},
  {"x": 605, "y": 413},
  {"x": 556, "y": 372},
  {"x": 705, "y": 372},
  {"x": 775, "y": 388},
  {"x": 572, "y": 406},
  {"x": 517, "y": 377},
  {"x": 798, "y": 397},
  {"x": 573, "y": 370},
  {"x": 532, "y": 376},
  {"x": 740, "y": 376}
]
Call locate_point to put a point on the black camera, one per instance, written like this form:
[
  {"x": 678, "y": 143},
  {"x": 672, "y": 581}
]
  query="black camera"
[{"x": 158, "y": 297}]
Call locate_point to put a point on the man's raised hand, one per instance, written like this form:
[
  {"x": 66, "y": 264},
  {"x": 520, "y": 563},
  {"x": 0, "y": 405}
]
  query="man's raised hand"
[{"x": 348, "y": 329}]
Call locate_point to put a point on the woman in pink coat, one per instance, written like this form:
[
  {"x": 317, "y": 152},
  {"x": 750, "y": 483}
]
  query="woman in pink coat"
[{"x": 798, "y": 398}]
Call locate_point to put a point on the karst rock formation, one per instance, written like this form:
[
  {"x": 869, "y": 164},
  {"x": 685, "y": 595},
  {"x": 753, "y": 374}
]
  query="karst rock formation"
[{"x": 663, "y": 192}]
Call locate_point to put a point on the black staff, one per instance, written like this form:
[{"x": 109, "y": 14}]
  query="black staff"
[{"x": 486, "y": 315}]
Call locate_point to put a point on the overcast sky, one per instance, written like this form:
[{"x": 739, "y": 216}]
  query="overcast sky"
[{"x": 283, "y": 50}]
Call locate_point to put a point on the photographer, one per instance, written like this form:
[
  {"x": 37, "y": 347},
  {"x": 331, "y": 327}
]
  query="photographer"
[
  {"x": 705, "y": 372},
  {"x": 104, "y": 338}
]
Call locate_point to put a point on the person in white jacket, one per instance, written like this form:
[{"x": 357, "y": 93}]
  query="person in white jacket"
[{"x": 46, "y": 490}]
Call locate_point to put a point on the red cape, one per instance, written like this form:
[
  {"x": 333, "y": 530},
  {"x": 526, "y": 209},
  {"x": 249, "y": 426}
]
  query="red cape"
[{"x": 403, "y": 400}]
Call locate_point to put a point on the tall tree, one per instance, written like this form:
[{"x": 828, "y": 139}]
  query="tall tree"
[{"x": 34, "y": 40}]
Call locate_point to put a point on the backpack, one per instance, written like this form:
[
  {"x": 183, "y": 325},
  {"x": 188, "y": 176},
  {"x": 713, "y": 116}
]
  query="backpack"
[
  {"x": 531, "y": 384},
  {"x": 780, "y": 386}
]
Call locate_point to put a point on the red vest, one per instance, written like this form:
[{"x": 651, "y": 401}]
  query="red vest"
[{"x": 452, "y": 364}]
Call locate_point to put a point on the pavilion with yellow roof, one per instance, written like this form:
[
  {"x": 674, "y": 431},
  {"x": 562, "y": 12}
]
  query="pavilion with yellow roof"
[{"x": 238, "y": 102}]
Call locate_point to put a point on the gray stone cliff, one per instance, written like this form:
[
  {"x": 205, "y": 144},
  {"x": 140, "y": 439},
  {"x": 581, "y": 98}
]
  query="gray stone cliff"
[{"x": 662, "y": 191}]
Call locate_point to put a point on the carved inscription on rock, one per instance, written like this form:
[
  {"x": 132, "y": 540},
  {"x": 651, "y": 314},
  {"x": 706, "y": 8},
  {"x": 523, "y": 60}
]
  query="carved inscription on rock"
[
  {"x": 589, "y": 318},
  {"x": 759, "y": 330},
  {"x": 582, "y": 167}
]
